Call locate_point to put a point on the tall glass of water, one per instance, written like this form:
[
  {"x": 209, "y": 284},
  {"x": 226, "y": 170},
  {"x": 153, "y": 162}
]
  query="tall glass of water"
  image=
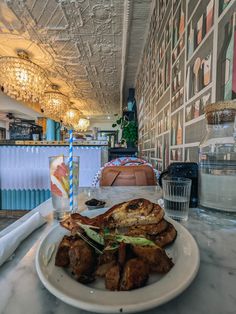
[
  {"x": 176, "y": 195},
  {"x": 60, "y": 185}
]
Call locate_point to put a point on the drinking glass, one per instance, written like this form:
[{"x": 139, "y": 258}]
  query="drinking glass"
[
  {"x": 176, "y": 195},
  {"x": 60, "y": 185}
]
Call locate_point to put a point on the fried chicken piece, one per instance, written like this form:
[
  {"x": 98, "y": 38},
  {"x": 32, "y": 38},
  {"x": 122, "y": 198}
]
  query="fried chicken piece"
[
  {"x": 104, "y": 268},
  {"x": 155, "y": 257},
  {"x": 107, "y": 256},
  {"x": 166, "y": 237},
  {"x": 135, "y": 274},
  {"x": 137, "y": 211},
  {"x": 62, "y": 256},
  {"x": 112, "y": 278},
  {"x": 82, "y": 261},
  {"x": 122, "y": 253},
  {"x": 148, "y": 230}
]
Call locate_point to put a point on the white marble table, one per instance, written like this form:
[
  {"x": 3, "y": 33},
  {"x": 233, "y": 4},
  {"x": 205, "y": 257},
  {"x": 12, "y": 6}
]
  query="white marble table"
[{"x": 212, "y": 292}]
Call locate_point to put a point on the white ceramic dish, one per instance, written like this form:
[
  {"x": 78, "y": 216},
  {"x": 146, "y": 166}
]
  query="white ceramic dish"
[{"x": 95, "y": 298}]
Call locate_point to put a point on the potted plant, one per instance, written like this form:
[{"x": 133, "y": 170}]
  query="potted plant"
[{"x": 129, "y": 131}]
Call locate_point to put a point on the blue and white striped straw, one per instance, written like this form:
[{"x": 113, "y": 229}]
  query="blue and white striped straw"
[{"x": 71, "y": 169}]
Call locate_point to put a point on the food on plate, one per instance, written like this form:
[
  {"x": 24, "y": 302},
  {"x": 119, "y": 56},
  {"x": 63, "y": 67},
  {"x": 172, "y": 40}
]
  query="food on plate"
[
  {"x": 162, "y": 233},
  {"x": 132, "y": 213},
  {"x": 155, "y": 257},
  {"x": 122, "y": 253},
  {"x": 95, "y": 203},
  {"x": 135, "y": 274},
  {"x": 82, "y": 261}
]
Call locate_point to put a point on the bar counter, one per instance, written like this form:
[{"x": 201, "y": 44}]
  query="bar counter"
[
  {"x": 52, "y": 143},
  {"x": 24, "y": 169},
  {"x": 211, "y": 292}
]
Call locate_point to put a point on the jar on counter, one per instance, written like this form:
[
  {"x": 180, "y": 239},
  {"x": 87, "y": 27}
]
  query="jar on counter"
[{"x": 217, "y": 158}]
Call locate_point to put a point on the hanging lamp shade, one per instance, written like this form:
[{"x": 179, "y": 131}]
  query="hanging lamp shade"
[
  {"x": 21, "y": 78},
  {"x": 71, "y": 118},
  {"x": 55, "y": 104},
  {"x": 82, "y": 125}
]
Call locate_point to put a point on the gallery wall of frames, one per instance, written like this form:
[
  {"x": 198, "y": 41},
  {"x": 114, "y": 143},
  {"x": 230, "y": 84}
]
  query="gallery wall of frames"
[{"x": 189, "y": 60}]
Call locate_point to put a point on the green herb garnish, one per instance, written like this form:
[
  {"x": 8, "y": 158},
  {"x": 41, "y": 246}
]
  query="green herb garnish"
[
  {"x": 115, "y": 238},
  {"x": 134, "y": 240},
  {"x": 92, "y": 234}
]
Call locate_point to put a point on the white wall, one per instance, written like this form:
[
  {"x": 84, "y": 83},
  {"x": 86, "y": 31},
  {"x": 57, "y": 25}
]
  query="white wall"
[
  {"x": 18, "y": 109},
  {"x": 103, "y": 125},
  {"x": 8, "y": 104}
]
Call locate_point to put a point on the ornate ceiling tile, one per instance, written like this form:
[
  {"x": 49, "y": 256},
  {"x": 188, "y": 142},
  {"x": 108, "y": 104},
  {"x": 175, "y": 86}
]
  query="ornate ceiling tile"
[{"x": 78, "y": 42}]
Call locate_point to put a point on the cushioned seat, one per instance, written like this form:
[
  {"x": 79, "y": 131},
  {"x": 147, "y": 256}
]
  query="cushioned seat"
[{"x": 127, "y": 171}]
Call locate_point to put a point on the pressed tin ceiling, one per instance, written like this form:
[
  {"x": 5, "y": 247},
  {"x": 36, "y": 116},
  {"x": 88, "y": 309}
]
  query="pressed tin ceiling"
[{"x": 85, "y": 45}]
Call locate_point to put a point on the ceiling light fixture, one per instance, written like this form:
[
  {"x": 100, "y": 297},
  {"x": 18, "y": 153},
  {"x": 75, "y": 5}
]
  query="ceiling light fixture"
[
  {"x": 21, "y": 78},
  {"x": 54, "y": 103},
  {"x": 71, "y": 118},
  {"x": 82, "y": 125}
]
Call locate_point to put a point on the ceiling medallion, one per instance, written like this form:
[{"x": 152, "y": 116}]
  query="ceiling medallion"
[
  {"x": 55, "y": 104},
  {"x": 101, "y": 13},
  {"x": 21, "y": 78}
]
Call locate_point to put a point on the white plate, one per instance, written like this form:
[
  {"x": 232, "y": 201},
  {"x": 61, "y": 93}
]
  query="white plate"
[{"x": 95, "y": 298}]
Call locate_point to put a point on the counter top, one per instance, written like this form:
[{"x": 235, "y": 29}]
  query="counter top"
[
  {"x": 52, "y": 143},
  {"x": 212, "y": 291}
]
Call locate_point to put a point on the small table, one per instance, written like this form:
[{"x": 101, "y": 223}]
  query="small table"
[{"x": 212, "y": 291}]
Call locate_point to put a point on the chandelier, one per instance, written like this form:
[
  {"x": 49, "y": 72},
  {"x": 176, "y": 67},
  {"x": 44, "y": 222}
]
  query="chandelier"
[
  {"x": 54, "y": 104},
  {"x": 82, "y": 125},
  {"x": 71, "y": 118},
  {"x": 21, "y": 78}
]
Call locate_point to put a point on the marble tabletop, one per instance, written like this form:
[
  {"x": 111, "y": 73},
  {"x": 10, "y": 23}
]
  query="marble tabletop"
[{"x": 212, "y": 292}]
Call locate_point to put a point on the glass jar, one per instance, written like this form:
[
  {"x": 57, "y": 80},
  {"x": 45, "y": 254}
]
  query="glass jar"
[{"x": 217, "y": 158}]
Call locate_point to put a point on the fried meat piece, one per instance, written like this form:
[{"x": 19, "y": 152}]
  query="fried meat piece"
[
  {"x": 138, "y": 211},
  {"x": 135, "y": 274},
  {"x": 112, "y": 278},
  {"x": 107, "y": 256},
  {"x": 148, "y": 230},
  {"x": 155, "y": 257},
  {"x": 62, "y": 256},
  {"x": 103, "y": 269},
  {"x": 122, "y": 253},
  {"x": 134, "y": 212},
  {"x": 82, "y": 261},
  {"x": 166, "y": 237}
]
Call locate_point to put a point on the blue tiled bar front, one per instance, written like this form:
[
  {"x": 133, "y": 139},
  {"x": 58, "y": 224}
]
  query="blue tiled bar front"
[{"x": 24, "y": 172}]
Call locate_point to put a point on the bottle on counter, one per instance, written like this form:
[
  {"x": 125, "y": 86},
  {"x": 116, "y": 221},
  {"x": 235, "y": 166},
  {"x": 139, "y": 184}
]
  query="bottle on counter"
[
  {"x": 173, "y": 132},
  {"x": 179, "y": 131},
  {"x": 217, "y": 158},
  {"x": 191, "y": 40},
  {"x": 181, "y": 21},
  {"x": 227, "y": 57}
]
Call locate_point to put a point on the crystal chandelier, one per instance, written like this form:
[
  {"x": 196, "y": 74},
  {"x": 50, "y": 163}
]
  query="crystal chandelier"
[
  {"x": 54, "y": 104},
  {"x": 71, "y": 118},
  {"x": 82, "y": 125},
  {"x": 21, "y": 78}
]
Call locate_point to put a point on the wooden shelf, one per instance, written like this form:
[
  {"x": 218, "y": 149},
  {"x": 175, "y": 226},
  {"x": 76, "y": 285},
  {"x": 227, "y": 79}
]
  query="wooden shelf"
[
  {"x": 154, "y": 104},
  {"x": 205, "y": 39}
]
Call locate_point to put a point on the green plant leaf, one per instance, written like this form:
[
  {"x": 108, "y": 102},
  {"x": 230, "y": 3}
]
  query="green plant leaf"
[
  {"x": 114, "y": 125},
  {"x": 118, "y": 121}
]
